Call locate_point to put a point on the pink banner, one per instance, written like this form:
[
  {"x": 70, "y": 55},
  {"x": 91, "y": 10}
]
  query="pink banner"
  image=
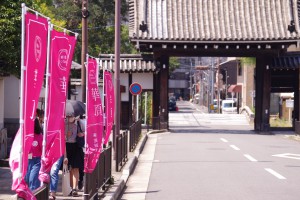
[
  {"x": 35, "y": 54},
  {"x": 61, "y": 54},
  {"x": 94, "y": 126},
  {"x": 109, "y": 104}
]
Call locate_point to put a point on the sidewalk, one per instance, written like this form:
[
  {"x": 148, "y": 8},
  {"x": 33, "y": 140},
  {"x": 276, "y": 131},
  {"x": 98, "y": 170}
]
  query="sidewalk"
[{"x": 112, "y": 192}]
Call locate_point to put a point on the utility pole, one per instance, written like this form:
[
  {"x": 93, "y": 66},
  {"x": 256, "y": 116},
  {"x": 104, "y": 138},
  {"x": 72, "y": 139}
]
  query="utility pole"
[
  {"x": 117, "y": 68},
  {"x": 85, "y": 14}
]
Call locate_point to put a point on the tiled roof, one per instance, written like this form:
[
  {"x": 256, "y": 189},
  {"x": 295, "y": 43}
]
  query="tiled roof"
[
  {"x": 214, "y": 20},
  {"x": 129, "y": 62},
  {"x": 289, "y": 61}
]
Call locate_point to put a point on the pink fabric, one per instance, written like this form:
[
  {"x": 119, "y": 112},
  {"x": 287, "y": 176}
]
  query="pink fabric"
[
  {"x": 62, "y": 50},
  {"x": 94, "y": 124},
  {"x": 36, "y": 147},
  {"x": 36, "y": 31},
  {"x": 109, "y": 104}
]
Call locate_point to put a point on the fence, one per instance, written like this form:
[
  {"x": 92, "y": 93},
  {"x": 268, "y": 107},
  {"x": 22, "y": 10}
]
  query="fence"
[
  {"x": 121, "y": 150},
  {"x": 135, "y": 131},
  {"x": 101, "y": 176}
]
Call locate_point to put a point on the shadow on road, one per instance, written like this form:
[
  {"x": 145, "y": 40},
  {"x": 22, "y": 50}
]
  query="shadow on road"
[{"x": 202, "y": 130}]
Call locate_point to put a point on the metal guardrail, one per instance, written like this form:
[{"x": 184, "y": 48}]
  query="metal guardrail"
[
  {"x": 101, "y": 176},
  {"x": 121, "y": 150},
  {"x": 135, "y": 131}
]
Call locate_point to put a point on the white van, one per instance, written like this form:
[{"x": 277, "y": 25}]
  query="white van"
[{"x": 229, "y": 106}]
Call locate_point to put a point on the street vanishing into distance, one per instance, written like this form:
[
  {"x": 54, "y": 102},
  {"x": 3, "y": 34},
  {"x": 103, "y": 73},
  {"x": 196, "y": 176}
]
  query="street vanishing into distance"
[{"x": 215, "y": 157}]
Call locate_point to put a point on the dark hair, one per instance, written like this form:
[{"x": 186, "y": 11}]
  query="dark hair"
[{"x": 37, "y": 126}]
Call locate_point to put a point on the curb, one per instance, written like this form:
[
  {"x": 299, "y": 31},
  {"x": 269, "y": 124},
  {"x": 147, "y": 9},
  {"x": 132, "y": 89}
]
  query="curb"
[{"x": 118, "y": 187}]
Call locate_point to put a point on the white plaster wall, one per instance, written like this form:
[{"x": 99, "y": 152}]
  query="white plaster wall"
[
  {"x": 79, "y": 90},
  {"x": 124, "y": 80},
  {"x": 11, "y": 97},
  {"x": 1, "y": 103},
  {"x": 144, "y": 79}
]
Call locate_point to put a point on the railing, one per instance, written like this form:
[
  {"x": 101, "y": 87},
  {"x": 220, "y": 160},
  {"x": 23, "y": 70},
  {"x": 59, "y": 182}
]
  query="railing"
[
  {"x": 135, "y": 131},
  {"x": 121, "y": 150},
  {"x": 101, "y": 176}
]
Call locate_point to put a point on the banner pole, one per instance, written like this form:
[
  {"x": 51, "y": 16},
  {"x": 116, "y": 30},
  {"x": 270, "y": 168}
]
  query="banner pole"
[
  {"x": 46, "y": 92},
  {"x": 104, "y": 105},
  {"x": 86, "y": 189},
  {"x": 98, "y": 71},
  {"x": 137, "y": 107},
  {"x": 86, "y": 97},
  {"x": 23, "y": 68}
]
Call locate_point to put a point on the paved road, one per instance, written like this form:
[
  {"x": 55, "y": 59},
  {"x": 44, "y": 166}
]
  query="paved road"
[{"x": 215, "y": 157}]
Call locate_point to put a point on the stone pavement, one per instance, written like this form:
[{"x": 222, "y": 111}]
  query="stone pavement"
[{"x": 112, "y": 193}]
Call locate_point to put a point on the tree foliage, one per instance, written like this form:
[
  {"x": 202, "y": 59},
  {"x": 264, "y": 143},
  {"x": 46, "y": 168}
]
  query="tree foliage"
[
  {"x": 248, "y": 61},
  {"x": 173, "y": 64},
  {"x": 67, "y": 14},
  {"x": 100, "y": 25},
  {"x": 10, "y": 31}
]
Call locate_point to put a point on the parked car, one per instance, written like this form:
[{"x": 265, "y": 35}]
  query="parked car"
[{"x": 229, "y": 106}]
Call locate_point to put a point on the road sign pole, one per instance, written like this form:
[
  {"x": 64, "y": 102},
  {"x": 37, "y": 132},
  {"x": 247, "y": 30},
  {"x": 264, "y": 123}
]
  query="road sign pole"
[{"x": 137, "y": 107}]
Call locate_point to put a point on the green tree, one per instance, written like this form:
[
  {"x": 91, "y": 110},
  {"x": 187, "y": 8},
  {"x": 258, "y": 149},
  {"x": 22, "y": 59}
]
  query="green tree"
[
  {"x": 248, "y": 60},
  {"x": 173, "y": 64},
  {"x": 67, "y": 14},
  {"x": 100, "y": 25},
  {"x": 10, "y": 31}
]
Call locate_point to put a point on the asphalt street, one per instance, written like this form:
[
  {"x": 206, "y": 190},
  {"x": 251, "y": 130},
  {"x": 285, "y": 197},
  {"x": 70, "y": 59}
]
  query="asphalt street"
[{"x": 216, "y": 157}]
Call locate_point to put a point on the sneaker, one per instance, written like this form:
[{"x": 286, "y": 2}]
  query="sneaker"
[
  {"x": 80, "y": 185},
  {"x": 74, "y": 193},
  {"x": 70, "y": 193}
]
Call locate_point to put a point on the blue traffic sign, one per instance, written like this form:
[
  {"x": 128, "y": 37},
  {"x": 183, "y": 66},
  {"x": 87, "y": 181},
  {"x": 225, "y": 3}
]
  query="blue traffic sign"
[{"x": 135, "y": 89}]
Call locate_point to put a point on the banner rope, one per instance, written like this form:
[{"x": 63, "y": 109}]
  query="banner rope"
[{"x": 66, "y": 30}]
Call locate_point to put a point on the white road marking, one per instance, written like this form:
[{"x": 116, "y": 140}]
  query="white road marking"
[
  {"x": 155, "y": 161},
  {"x": 271, "y": 171},
  {"x": 235, "y": 147},
  {"x": 223, "y": 140},
  {"x": 288, "y": 155},
  {"x": 250, "y": 158}
]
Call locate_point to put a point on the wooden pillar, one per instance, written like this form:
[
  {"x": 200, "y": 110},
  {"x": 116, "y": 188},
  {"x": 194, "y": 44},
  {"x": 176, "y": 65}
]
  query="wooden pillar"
[
  {"x": 263, "y": 94},
  {"x": 160, "y": 90},
  {"x": 164, "y": 91},
  {"x": 156, "y": 92}
]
